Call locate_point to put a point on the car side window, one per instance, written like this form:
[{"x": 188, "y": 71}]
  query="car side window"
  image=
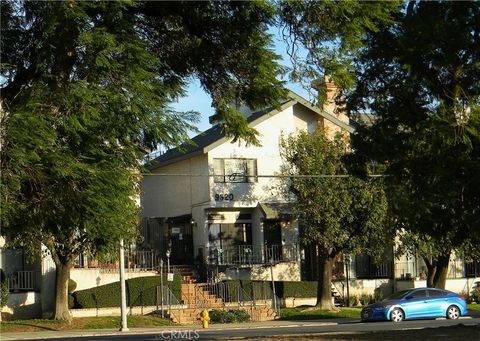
[
  {"x": 419, "y": 294},
  {"x": 436, "y": 293}
]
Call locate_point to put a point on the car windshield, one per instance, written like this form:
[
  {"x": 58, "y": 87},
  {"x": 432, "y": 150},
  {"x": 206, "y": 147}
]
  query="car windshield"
[{"x": 397, "y": 295}]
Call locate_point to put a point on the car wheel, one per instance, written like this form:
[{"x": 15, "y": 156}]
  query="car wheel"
[
  {"x": 453, "y": 312},
  {"x": 397, "y": 315}
]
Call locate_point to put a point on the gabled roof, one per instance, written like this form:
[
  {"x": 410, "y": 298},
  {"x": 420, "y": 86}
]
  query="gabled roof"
[{"x": 213, "y": 137}]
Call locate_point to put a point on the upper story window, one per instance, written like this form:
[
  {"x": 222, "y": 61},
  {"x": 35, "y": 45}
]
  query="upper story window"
[{"x": 235, "y": 170}]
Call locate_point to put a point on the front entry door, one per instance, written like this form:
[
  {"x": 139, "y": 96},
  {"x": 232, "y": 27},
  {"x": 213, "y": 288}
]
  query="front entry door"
[{"x": 272, "y": 236}]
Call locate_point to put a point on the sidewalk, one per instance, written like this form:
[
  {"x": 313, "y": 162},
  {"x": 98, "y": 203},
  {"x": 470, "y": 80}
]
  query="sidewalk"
[{"x": 152, "y": 330}]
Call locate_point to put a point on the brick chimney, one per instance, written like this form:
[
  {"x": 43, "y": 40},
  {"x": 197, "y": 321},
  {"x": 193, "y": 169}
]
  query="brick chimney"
[{"x": 328, "y": 92}]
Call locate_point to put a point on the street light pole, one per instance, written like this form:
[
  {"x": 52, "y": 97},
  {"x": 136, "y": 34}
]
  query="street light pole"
[
  {"x": 161, "y": 286},
  {"x": 123, "y": 294},
  {"x": 168, "y": 274}
]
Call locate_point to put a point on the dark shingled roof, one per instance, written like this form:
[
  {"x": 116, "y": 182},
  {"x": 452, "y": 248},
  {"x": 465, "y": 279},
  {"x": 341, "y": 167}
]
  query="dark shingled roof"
[
  {"x": 202, "y": 140},
  {"x": 197, "y": 144}
]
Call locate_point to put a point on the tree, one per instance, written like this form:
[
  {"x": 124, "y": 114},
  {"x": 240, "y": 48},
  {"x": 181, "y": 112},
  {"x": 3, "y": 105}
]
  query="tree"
[
  {"x": 331, "y": 33},
  {"x": 420, "y": 80},
  {"x": 337, "y": 213},
  {"x": 85, "y": 93}
]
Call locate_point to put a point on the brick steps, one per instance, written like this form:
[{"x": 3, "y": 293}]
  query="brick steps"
[{"x": 196, "y": 298}]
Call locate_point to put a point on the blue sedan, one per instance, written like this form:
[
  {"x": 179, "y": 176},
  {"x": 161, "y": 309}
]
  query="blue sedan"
[{"x": 416, "y": 303}]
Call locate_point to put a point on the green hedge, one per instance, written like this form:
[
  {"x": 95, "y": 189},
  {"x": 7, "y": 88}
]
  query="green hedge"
[
  {"x": 140, "y": 292},
  {"x": 228, "y": 316},
  {"x": 283, "y": 289}
]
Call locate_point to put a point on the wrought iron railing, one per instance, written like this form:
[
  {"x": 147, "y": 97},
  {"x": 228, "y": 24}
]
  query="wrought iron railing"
[
  {"x": 136, "y": 260},
  {"x": 245, "y": 255}
]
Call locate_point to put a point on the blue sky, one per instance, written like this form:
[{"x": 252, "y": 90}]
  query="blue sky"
[{"x": 196, "y": 99}]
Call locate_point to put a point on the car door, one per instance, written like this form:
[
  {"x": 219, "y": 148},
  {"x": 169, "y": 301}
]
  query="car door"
[
  {"x": 436, "y": 302},
  {"x": 415, "y": 304}
]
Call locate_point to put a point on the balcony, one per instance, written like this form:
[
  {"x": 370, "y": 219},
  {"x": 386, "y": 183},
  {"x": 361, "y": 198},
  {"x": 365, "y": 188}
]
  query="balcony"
[
  {"x": 248, "y": 255},
  {"x": 24, "y": 281},
  {"x": 135, "y": 261}
]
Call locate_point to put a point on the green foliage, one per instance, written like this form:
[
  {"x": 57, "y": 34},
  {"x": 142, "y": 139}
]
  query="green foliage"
[
  {"x": 140, "y": 292},
  {"x": 4, "y": 291},
  {"x": 365, "y": 299},
  {"x": 332, "y": 32},
  {"x": 71, "y": 301},
  {"x": 352, "y": 301},
  {"x": 297, "y": 314},
  {"x": 283, "y": 289},
  {"x": 426, "y": 126},
  {"x": 351, "y": 215},
  {"x": 228, "y": 316},
  {"x": 72, "y": 285},
  {"x": 85, "y": 93},
  {"x": 475, "y": 296},
  {"x": 337, "y": 212}
]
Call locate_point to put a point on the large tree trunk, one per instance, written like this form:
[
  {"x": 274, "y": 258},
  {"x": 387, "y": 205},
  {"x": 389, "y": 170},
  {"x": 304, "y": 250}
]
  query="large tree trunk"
[
  {"x": 324, "y": 285},
  {"x": 61, "y": 297},
  {"x": 441, "y": 272},
  {"x": 431, "y": 269}
]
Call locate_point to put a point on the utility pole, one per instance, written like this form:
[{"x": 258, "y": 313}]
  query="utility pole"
[
  {"x": 123, "y": 293},
  {"x": 274, "y": 298}
]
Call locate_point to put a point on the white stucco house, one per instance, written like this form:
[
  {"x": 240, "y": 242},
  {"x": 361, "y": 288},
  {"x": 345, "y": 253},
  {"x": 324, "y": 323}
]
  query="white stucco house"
[{"x": 214, "y": 201}]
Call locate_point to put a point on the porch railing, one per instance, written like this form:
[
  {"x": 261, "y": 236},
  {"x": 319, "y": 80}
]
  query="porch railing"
[
  {"x": 136, "y": 260},
  {"x": 24, "y": 280},
  {"x": 245, "y": 255}
]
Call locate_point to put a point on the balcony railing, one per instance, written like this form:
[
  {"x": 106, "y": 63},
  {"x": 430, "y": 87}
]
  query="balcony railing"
[
  {"x": 246, "y": 255},
  {"x": 134, "y": 261},
  {"x": 24, "y": 280}
]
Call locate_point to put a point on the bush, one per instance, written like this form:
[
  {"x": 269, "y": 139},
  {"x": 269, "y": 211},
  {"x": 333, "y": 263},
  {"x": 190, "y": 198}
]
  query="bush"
[
  {"x": 378, "y": 296},
  {"x": 72, "y": 285},
  {"x": 4, "y": 294},
  {"x": 352, "y": 300},
  {"x": 228, "y": 316},
  {"x": 140, "y": 292},
  {"x": 283, "y": 289},
  {"x": 476, "y": 295},
  {"x": 71, "y": 301},
  {"x": 365, "y": 299}
]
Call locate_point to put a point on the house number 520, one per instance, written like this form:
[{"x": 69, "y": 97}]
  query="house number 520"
[{"x": 223, "y": 197}]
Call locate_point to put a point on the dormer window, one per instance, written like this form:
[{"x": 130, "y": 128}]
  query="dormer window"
[{"x": 235, "y": 170}]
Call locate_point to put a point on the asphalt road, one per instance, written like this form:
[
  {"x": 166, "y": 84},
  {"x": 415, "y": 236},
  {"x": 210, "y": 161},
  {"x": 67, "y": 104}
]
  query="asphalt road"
[{"x": 302, "y": 327}]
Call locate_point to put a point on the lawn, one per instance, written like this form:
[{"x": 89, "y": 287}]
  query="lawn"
[
  {"x": 474, "y": 306},
  {"x": 302, "y": 314},
  {"x": 103, "y": 322}
]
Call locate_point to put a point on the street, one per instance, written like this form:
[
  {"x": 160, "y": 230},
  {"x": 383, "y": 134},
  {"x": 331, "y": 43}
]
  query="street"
[{"x": 277, "y": 328}]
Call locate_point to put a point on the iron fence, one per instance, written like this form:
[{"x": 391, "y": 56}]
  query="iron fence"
[
  {"x": 135, "y": 260},
  {"x": 247, "y": 255}
]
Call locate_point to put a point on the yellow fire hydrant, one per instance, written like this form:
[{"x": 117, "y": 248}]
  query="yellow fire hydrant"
[{"x": 204, "y": 318}]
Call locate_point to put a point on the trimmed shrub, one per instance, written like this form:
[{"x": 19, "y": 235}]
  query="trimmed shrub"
[
  {"x": 4, "y": 291},
  {"x": 4, "y": 294},
  {"x": 140, "y": 292},
  {"x": 71, "y": 301},
  {"x": 72, "y": 285},
  {"x": 475, "y": 297},
  {"x": 283, "y": 289},
  {"x": 228, "y": 316}
]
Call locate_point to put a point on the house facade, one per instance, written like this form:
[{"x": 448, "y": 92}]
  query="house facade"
[{"x": 216, "y": 203}]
